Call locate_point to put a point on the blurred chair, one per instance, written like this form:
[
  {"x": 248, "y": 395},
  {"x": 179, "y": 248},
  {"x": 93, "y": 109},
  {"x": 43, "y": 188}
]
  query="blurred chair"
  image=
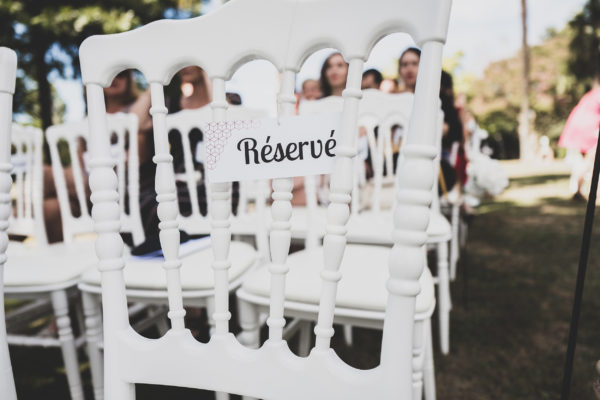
[
  {"x": 284, "y": 32},
  {"x": 373, "y": 199},
  {"x": 8, "y": 71},
  {"x": 38, "y": 271},
  {"x": 123, "y": 130},
  {"x": 144, "y": 276},
  {"x": 252, "y": 194},
  {"x": 48, "y": 273}
]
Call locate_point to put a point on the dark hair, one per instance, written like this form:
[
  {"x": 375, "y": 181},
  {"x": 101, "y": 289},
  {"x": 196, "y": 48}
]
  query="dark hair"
[
  {"x": 326, "y": 88},
  {"x": 451, "y": 116},
  {"x": 233, "y": 98},
  {"x": 377, "y": 77},
  {"x": 446, "y": 82},
  {"x": 413, "y": 50}
]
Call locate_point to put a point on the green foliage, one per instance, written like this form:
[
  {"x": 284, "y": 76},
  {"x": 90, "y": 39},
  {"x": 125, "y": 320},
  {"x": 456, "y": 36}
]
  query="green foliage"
[
  {"x": 561, "y": 72},
  {"x": 584, "y": 61},
  {"x": 502, "y": 125},
  {"x": 47, "y": 34}
]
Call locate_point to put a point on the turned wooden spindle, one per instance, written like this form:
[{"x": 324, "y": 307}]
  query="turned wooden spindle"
[
  {"x": 411, "y": 216},
  {"x": 168, "y": 208},
  {"x": 220, "y": 211},
  {"x": 281, "y": 210},
  {"x": 109, "y": 244},
  {"x": 338, "y": 211}
]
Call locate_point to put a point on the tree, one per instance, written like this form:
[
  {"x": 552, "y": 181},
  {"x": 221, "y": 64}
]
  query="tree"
[
  {"x": 46, "y": 35},
  {"x": 525, "y": 140},
  {"x": 584, "y": 62}
]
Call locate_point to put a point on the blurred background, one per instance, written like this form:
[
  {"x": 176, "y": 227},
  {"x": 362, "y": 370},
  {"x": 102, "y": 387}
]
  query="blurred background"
[{"x": 521, "y": 65}]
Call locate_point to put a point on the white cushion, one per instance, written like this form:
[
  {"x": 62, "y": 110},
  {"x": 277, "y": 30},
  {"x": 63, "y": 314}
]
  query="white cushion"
[
  {"x": 376, "y": 228},
  {"x": 364, "y": 270},
  {"x": 196, "y": 270},
  {"x": 39, "y": 265},
  {"x": 299, "y": 221},
  {"x": 368, "y": 227}
]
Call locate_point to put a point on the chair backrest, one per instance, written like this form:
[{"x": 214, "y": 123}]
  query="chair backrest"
[
  {"x": 386, "y": 112},
  {"x": 27, "y": 218},
  {"x": 8, "y": 72},
  {"x": 123, "y": 130},
  {"x": 186, "y": 123},
  {"x": 284, "y": 32},
  {"x": 376, "y": 110},
  {"x": 330, "y": 104}
]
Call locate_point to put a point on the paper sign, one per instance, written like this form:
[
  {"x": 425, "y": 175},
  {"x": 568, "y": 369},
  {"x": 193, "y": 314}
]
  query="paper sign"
[
  {"x": 271, "y": 148},
  {"x": 199, "y": 153}
]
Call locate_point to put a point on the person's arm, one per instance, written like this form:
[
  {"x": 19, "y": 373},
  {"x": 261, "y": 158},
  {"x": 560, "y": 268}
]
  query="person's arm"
[{"x": 141, "y": 108}]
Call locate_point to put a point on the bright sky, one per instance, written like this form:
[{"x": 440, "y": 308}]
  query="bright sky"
[{"x": 484, "y": 30}]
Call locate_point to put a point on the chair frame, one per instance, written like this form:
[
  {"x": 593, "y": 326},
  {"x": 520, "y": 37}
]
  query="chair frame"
[
  {"x": 8, "y": 73},
  {"x": 223, "y": 364},
  {"x": 57, "y": 294},
  {"x": 183, "y": 122},
  {"x": 121, "y": 125}
]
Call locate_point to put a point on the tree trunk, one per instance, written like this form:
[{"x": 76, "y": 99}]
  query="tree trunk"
[
  {"x": 595, "y": 9},
  {"x": 525, "y": 148},
  {"x": 44, "y": 92}
]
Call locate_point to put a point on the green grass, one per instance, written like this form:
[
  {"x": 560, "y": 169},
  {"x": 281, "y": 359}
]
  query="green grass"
[{"x": 512, "y": 303}]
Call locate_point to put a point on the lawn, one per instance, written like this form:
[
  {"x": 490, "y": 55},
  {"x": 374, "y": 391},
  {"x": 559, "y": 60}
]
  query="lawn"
[{"x": 512, "y": 304}]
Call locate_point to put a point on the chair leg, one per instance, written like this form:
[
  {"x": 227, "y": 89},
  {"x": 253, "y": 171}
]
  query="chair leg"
[
  {"x": 444, "y": 302},
  {"x": 60, "y": 304},
  {"x": 304, "y": 342},
  {"x": 93, "y": 327},
  {"x": 210, "y": 309},
  {"x": 79, "y": 315},
  {"x": 348, "y": 338},
  {"x": 7, "y": 382},
  {"x": 161, "y": 324},
  {"x": 429, "y": 369},
  {"x": 418, "y": 360},
  {"x": 454, "y": 243},
  {"x": 249, "y": 322}
]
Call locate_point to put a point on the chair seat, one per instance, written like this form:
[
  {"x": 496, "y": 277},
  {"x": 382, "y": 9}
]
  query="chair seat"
[
  {"x": 367, "y": 227},
  {"x": 196, "y": 269},
  {"x": 376, "y": 228},
  {"x": 43, "y": 265},
  {"x": 363, "y": 285},
  {"x": 299, "y": 221},
  {"x": 244, "y": 224}
]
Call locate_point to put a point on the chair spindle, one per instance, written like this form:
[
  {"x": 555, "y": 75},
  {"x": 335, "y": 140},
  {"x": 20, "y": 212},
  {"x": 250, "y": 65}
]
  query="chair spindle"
[
  {"x": 220, "y": 211},
  {"x": 338, "y": 211}
]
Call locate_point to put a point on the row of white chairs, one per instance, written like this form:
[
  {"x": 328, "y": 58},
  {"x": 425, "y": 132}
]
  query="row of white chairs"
[
  {"x": 270, "y": 371},
  {"x": 378, "y": 108}
]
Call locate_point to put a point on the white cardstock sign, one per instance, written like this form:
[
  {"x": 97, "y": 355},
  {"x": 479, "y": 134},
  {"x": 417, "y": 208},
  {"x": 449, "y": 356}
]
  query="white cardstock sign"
[{"x": 271, "y": 148}]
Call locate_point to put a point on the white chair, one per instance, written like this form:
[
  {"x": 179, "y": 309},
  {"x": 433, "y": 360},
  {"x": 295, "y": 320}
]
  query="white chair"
[
  {"x": 40, "y": 271},
  {"x": 284, "y": 32},
  {"x": 361, "y": 300},
  {"x": 144, "y": 278},
  {"x": 367, "y": 224},
  {"x": 8, "y": 71},
  {"x": 123, "y": 130},
  {"x": 36, "y": 270},
  {"x": 252, "y": 194}
]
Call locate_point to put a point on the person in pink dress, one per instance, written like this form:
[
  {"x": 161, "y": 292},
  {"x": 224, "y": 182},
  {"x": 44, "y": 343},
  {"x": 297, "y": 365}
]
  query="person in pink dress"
[{"x": 581, "y": 134}]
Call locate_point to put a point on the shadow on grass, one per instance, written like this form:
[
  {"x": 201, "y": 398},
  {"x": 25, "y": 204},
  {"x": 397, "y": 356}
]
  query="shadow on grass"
[
  {"x": 537, "y": 180},
  {"x": 513, "y": 303},
  {"x": 509, "y": 324}
]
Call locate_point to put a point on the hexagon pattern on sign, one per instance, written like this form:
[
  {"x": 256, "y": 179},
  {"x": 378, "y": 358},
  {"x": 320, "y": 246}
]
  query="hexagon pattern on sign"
[{"x": 218, "y": 133}]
